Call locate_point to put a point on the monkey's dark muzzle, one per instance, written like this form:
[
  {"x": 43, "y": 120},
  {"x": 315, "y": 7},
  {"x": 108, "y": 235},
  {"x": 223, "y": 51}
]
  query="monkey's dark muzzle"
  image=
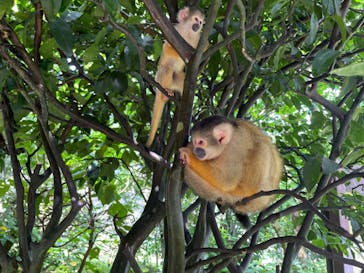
[
  {"x": 199, "y": 152},
  {"x": 196, "y": 27}
]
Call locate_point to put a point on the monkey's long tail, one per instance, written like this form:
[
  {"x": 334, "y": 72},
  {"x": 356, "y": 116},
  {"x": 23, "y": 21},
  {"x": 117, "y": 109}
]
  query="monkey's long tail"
[{"x": 158, "y": 106}]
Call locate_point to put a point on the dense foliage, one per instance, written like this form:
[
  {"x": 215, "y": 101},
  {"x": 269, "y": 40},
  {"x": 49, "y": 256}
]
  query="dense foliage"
[{"x": 81, "y": 193}]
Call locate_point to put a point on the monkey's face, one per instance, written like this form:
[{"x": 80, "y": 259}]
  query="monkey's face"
[
  {"x": 209, "y": 139},
  {"x": 206, "y": 147},
  {"x": 190, "y": 19},
  {"x": 197, "y": 21}
]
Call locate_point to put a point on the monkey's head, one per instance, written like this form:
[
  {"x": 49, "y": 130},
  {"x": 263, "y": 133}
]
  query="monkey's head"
[
  {"x": 210, "y": 137},
  {"x": 193, "y": 17}
]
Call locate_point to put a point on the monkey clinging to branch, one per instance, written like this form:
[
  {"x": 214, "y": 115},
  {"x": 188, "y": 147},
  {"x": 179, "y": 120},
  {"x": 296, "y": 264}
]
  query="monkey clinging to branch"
[
  {"x": 228, "y": 160},
  {"x": 170, "y": 74}
]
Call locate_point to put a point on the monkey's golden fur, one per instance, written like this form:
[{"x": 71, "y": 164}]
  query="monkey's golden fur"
[
  {"x": 248, "y": 163},
  {"x": 170, "y": 74}
]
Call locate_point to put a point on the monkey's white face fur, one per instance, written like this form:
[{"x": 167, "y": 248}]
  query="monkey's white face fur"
[
  {"x": 210, "y": 145},
  {"x": 191, "y": 19}
]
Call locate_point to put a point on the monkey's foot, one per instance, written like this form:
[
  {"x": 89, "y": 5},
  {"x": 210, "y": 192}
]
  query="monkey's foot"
[
  {"x": 170, "y": 92},
  {"x": 222, "y": 205}
]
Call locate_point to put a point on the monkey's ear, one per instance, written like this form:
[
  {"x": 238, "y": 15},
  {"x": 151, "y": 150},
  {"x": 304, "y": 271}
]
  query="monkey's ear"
[
  {"x": 223, "y": 133},
  {"x": 183, "y": 14}
]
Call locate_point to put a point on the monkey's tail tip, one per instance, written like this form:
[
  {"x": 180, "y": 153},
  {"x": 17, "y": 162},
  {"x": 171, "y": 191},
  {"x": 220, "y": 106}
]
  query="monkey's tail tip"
[{"x": 243, "y": 219}]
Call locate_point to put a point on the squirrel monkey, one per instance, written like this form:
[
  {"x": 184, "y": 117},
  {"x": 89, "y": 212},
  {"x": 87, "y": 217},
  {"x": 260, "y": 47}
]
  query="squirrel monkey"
[
  {"x": 228, "y": 160},
  {"x": 170, "y": 74}
]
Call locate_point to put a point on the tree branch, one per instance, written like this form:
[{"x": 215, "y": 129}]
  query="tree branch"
[
  {"x": 20, "y": 210},
  {"x": 227, "y": 253},
  {"x": 312, "y": 94},
  {"x": 176, "y": 241},
  {"x": 38, "y": 27}
]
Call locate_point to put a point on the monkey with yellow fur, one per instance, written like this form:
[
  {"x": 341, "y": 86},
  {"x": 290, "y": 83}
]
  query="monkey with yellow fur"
[
  {"x": 170, "y": 74},
  {"x": 228, "y": 160}
]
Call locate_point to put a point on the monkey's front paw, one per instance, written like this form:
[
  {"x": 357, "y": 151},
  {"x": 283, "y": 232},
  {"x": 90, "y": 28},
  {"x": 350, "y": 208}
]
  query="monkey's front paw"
[{"x": 183, "y": 155}]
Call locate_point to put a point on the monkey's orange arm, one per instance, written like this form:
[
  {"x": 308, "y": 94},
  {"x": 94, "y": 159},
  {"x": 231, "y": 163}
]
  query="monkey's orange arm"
[
  {"x": 202, "y": 169},
  {"x": 169, "y": 51},
  {"x": 244, "y": 189}
]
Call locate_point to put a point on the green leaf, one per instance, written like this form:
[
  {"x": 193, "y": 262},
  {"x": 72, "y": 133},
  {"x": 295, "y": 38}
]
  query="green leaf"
[
  {"x": 356, "y": 69},
  {"x": 253, "y": 41},
  {"x": 64, "y": 5},
  {"x": 117, "y": 209},
  {"x": 4, "y": 188},
  {"x": 51, "y": 7},
  {"x": 130, "y": 57},
  {"x": 328, "y": 166},
  {"x": 108, "y": 168},
  {"x": 91, "y": 53},
  {"x": 278, "y": 56},
  {"x": 328, "y": 6},
  {"x": 317, "y": 120},
  {"x": 80, "y": 98},
  {"x": 277, "y": 8},
  {"x": 4, "y": 76},
  {"x": 94, "y": 253},
  {"x": 115, "y": 81},
  {"x": 48, "y": 48},
  {"x": 341, "y": 24},
  {"x": 319, "y": 243},
  {"x": 54, "y": 110},
  {"x": 311, "y": 172},
  {"x": 353, "y": 156},
  {"x": 5, "y": 5},
  {"x": 112, "y": 6},
  {"x": 101, "y": 35},
  {"x": 214, "y": 65},
  {"x": 349, "y": 84},
  {"x": 63, "y": 34},
  {"x": 129, "y": 5},
  {"x": 311, "y": 235},
  {"x": 356, "y": 133},
  {"x": 93, "y": 172},
  {"x": 119, "y": 81},
  {"x": 107, "y": 193},
  {"x": 323, "y": 61},
  {"x": 298, "y": 83},
  {"x": 313, "y": 29}
]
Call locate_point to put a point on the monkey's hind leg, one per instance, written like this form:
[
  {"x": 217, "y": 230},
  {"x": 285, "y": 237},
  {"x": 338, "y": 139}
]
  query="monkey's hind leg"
[{"x": 178, "y": 81}]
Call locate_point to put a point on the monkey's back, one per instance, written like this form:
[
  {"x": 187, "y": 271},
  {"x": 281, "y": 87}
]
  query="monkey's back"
[{"x": 261, "y": 167}]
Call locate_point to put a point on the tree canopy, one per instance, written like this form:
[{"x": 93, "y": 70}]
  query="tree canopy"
[{"x": 79, "y": 190}]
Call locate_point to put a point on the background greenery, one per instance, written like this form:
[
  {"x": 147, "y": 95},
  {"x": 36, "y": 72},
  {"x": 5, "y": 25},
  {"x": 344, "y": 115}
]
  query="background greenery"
[{"x": 80, "y": 192}]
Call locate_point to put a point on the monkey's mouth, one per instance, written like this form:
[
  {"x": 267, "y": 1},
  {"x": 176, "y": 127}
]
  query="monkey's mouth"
[
  {"x": 195, "y": 27},
  {"x": 199, "y": 152}
]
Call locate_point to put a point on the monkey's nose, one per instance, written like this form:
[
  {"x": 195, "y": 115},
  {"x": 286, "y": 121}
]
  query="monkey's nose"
[
  {"x": 199, "y": 152},
  {"x": 195, "y": 27}
]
